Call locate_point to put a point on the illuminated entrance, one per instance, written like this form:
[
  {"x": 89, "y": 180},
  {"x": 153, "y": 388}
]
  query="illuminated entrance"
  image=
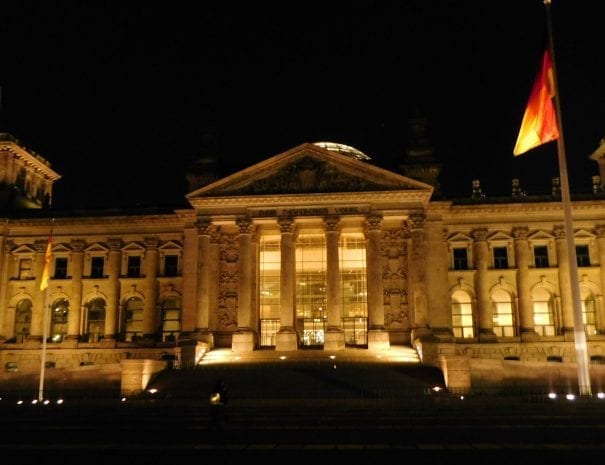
[{"x": 311, "y": 289}]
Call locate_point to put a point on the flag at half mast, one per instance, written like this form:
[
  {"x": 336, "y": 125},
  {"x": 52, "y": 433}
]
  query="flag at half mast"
[
  {"x": 539, "y": 124},
  {"x": 47, "y": 259}
]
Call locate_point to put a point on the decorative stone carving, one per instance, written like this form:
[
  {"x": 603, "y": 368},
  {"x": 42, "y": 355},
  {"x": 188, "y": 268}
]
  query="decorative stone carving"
[
  {"x": 479, "y": 234},
  {"x": 416, "y": 221},
  {"x": 332, "y": 223},
  {"x": 78, "y": 245},
  {"x": 559, "y": 231},
  {"x": 520, "y": 233}
]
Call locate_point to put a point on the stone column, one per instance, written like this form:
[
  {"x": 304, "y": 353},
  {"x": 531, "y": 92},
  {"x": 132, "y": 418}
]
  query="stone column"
[
  {"x": 526, "y": 307},
  {"x": 6, "y": 246},
  {"x": 485, "y": 309},
  {"x": 74, "y": 317},
  {"x": 202, "y": 325},
  {"x": 564, "y": 283},
  {"x": 150, "y": 313},
  {"x": 600, "y": 233},
  {"x": 437, "y": 261},
  {"x": 334, "y": 338},
  {"x": 378, "y": 336},
  {"x": 39, "y": 304},
  {"x": 113, "y": 289},
  {"x": 189, "y": 268},
  {"x": 417, "y": 267},
  {"x": 287, "y": 338},
  {"x": 244, "y": 339}
]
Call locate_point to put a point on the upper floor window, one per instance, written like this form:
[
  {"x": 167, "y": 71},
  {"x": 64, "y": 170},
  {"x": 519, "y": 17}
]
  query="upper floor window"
[
  {"x": 25, "y": 268},
  {"x": 541, "y": 256},
  {"x": 582, "y": 255},
  {"x": 97, "y": 265},
  {"x": 60, "y": 268},
  {"x": 171, "y": 265},
  {"x": 460, "y": 259},
  {"x": 500, "y": 257},
  {"x": 134, "y": 266}
]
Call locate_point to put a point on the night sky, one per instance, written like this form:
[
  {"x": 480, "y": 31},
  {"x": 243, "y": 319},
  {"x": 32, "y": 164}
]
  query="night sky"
[{"x": 120, "y": 96}]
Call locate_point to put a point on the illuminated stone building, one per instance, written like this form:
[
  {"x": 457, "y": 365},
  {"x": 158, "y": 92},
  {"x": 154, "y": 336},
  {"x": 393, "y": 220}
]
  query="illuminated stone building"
[{"x": 313, "y": 248}]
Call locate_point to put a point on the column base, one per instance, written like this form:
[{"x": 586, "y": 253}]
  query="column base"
[
  {"x": 487, "y": 335},
  {"x": 334, "y": 339},
  {"x": 443, "y": 334},
  {"x": 286, "y": 339},
  {"x": 378, "y": 339},
  {"x": 423, "y": 333},
  {"x": 243, "y": 341},
  {"x": 204, "y": 335},
  {"x": 529, "y": 335},
  {"x": 568, "y": 334}
]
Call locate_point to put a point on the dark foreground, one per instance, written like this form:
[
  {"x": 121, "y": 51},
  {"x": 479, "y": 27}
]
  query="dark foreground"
[{"x": 306, "y": 414}]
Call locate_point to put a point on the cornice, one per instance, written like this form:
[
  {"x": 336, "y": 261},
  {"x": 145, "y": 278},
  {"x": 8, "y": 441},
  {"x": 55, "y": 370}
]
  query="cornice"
[{"x": 36, "y": 162}]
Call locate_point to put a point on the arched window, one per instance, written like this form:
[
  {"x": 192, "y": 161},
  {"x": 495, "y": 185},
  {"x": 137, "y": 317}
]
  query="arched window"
[
  {"x": 503, "y": 313},
  {"x": 95, "y": 319},
  {"x": 462, "y": 314},
  {"x": 58, "y": 320},
  {"x": 544, "y": 322},
  {"x": 589, "y": 311},
  {"x": 133, "y": 319},
  {"x": 171, "y": 318},
  {"x": 23, "y": 318}
]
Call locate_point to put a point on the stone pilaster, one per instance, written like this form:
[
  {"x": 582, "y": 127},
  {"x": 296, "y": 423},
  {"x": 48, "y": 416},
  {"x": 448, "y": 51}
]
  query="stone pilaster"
[
  {"x": 334, "y": 335},
  {"x": 564, "y": 283},
  {"x": 113, "y": 292},
  {"x": 287, "y": 338},
  {"x": 75, "y": 305},
  {"x": 245, "y": 337},
  {"x": 378, "y": 336},
  {"x": 6, "y": 247},
  {"x": 417, "y": 267},
  {"x": 526, "y": 307},
  {"x": 600, "y": 317},
  {"x": 38, "y": 310},
  {"x": 484, "y": 303},
  {"x": 150, "y": 323},
  {"x": 204, "y": 229}
]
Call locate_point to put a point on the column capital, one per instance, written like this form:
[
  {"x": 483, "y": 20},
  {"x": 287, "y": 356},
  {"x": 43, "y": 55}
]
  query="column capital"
[
  {"x": 78, "y": 245},
  {"x": 245, "y": 224},
  {"x": 559, "y": 231},
  {"x": 479, "y": 234},
  {"x": 9, "y": 245},
  {"x": 520, "y": 233},
  {"x": 600, "y": 230},
  {"x": 332, "y": 223},
  {"x": 374, "y": 222},
  {"x": 286, "y": 224},
  {"x": 416, "y": 221},
  {"x": 204, "y": 226},
  {"x": 151, "y": 242},
  {"x": 115, "y": 244},
  {"x": 40, "y": 245}
]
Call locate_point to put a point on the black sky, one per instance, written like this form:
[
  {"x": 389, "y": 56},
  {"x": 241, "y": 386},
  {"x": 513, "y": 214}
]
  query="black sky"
[{"x": 107, "y": 90}]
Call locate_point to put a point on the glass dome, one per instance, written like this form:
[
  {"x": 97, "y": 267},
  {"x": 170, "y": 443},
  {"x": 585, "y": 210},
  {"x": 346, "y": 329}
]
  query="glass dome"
[{"x": 344, "y": 149}]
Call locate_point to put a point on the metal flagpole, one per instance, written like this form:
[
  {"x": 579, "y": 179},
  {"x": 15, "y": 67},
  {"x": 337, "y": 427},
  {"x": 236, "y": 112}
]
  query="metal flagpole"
[
  {"x": 44, "y": 337},
  {"x": 579, "y": 331}
]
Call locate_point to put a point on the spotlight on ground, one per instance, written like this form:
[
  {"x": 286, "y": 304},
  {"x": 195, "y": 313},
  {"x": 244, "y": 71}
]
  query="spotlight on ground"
[
  {"x": 152, "y": 390},
  {"x": 601, "y": 395},
  {"x": 570, "y": 397},
  {"x": 552, "y": 395},
  {"x": 59, "y": 401}
]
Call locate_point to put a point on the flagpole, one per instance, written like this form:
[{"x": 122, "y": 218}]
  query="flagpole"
[
  {"x": 579, "y": 331},
  {"x": 46, "y": 308},
  {"x": 44, "y": 337}
]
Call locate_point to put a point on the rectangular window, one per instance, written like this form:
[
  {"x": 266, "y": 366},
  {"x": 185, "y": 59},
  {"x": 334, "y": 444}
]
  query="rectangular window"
[
  {"x": 500, "y": 257},
  {"x": 541, "y": 256},
  {"x": 582, "y": 255},
  {"x": 97, "y": 265},
  {"x": 460, "y": 259},
  {"x": 171, "y": 265},
  {"x": 60, "y": 268},
  {"x": 134, "y": 267},
  {"x": 25, "y": 268}
]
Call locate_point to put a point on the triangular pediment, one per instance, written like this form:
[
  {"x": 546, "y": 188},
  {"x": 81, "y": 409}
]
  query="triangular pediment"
[
  {"x": 170, "y": 246},
  {"x": 96, "y": 247},
  {"x": 309, "y": 169},
  {"x": 23, "y": 250},
  {"x": 500, "y": 236},
  {"x": 460, "y": 237},
  {"x": 133, "y": 247},
  {"x": 584, "y": 234},
  {"x": 540, "y": 236}
]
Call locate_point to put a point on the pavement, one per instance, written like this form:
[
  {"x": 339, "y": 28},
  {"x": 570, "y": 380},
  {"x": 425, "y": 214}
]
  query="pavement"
[{"x": 310, "y": 406}]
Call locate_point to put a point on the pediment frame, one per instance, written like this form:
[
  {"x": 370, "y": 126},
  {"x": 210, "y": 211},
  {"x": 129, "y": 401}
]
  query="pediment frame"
[
  {"x": 170, "y": 246},
  {"x": 308, "y": 169}
]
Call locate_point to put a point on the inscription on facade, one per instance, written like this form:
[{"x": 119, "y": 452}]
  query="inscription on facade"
[{"x": 311, "y": 211}]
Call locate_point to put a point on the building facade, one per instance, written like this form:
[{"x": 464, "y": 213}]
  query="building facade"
[{"x": 314, "y": 248}]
